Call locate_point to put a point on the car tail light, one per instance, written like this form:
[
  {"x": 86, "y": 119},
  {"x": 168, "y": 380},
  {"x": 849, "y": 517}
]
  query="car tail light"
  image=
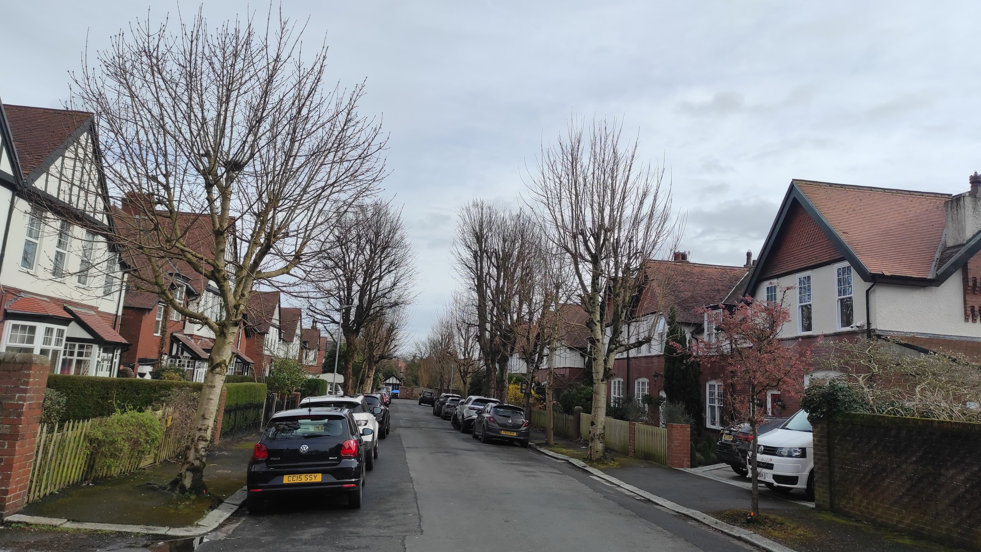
[
  {"x": 526, "y": 424},
  {"x": 491, "y": 420},
  {"x": 474, "y": 407},
  {"x": 260, "y": 452},
  {"x": 349, "y": 449}
]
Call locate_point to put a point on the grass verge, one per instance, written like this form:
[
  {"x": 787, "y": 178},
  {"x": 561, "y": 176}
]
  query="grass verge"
[{"x": 771, "y": 526}]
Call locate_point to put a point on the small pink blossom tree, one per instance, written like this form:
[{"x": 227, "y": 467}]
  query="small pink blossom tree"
[{"x": 746, "y": 342}]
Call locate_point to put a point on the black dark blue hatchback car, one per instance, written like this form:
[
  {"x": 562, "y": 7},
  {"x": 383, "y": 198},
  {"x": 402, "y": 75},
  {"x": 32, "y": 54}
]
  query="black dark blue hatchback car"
[{"x": 309, "y": 451}]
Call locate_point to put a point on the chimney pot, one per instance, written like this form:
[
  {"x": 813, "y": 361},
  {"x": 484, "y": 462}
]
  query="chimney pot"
[
  {"x": 975, "y": 180},
  {"x": 749, "y": 258}
]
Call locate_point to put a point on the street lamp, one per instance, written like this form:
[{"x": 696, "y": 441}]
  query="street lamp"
[{"x": 337, "y": 351}]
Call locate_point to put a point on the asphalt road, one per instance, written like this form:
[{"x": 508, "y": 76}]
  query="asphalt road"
[{"x": 435, "y": 489}]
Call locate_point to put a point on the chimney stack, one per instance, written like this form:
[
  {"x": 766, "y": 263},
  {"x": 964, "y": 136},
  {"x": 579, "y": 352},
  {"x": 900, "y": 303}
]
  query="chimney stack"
[
  {"x": 975, "y": 180},
  {"x": 681, "y": 256},
  {"x": 749, "y": 259}
]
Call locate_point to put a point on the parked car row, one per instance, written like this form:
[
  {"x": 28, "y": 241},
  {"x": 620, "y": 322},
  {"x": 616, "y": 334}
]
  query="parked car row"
[
  {"x": 485, "y": 418},
  {"x": 784, "y": 456},
  {"x": 324, "y": 446}
]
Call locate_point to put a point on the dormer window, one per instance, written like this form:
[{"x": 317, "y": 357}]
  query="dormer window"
[{"x": 846, "y": 311}]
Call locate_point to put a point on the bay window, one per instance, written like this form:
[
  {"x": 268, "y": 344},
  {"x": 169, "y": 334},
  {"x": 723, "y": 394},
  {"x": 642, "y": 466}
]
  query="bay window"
[{"x": 77, "y": 359}]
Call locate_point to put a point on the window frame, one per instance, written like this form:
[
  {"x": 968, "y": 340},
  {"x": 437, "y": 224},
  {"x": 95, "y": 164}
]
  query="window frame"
[
  {"x": 615, "y": 384},
  {"x": 35, "y": 221},
  {"x": 59, "y": 268},
  {"x": 801, "y": 304},
  {"x": 175, "y": 315},
  {"x": 158, "y": 324},
  {"x": 53, "y": 350},
  {"x": 112, "y": 268},
  {"x": 715, "y": 405},
  {"x": 771, "y": 287},
  {"x": 638, "y": 395},
  {"x": 85, "y": 259},
  {"x": 72, "y": 361},
  {"x": 839, "y": 297}
]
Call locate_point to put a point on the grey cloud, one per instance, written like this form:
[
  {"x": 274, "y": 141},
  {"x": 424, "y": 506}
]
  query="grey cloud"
[
  {"x": 721, "y": 104},
  {"x": 714, "y": 166},
  {"x": 739, "y": 219},
  {"x": 899, "y": 106}
]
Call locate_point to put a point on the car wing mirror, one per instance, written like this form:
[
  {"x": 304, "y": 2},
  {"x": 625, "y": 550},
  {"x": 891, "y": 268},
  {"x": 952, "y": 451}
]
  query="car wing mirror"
[
  {"x": 367, "y": 431},
  {"x": 377, "y": 410}
]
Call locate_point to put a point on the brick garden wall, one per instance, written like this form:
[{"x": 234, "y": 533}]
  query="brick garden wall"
[
  {"x": 22, "y": 383},
  {"x": 922, "y": 477}
]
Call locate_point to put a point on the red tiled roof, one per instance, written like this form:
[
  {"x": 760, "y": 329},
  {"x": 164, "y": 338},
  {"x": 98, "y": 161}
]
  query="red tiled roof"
[
  {"x": 893, "y": 232},
  {"x": 38, "y": 132},
  {"x": 192, "y": 344},
  {"x": 687, "y": 287},
  {"x": 140, "y": 300},
  {"x": 311, "y": 336},
  {"x": 289, "y": 319},
  {"x": 262, "y": 309},
  {"x": 35, "y": 305},
  {"x": 95, "y": 324}
]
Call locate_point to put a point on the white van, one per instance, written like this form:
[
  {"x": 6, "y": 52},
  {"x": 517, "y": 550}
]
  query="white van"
[{"x": 785, "y": 456}]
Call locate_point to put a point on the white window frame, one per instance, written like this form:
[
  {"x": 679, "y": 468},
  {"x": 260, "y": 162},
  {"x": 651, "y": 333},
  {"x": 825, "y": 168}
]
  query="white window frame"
[
  {"x": 178, "y": 293},
  {"x": 32, "y": 236},
  {"x": 771, "y": 292},
  {"x": 713, "y": 404},
  {"x": 844, "y": 291},
  {"x": 158, "y": 324},
  {"x": 616, "y": 389},
  {"x": 70, "y": 358},
  {"x": 48, "y": 340},
  {"x": 769, "y": 401},
  {"x": 85, "y": 261},
  {"x": 63, "y": 242},
  {"x": 801, "y": 303},
  {"x": 638, "y": 393},
  {"x": 112, "y": 267}
]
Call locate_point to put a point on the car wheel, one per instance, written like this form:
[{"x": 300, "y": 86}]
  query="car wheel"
[
  {"x": 524, "y": 444},
  {"x": 256, "y": 505},
  {"x": 484, "y": 438},
  {"x": 454, "y": 423},
  {"x": 740, "y": 471},
  {"x": 809, "y": 491},
  {"x": 474, "y": 432},
  {"x": 375, "y": 453},
  {"x": 370, "y": 463},
  {"x": 354, "y": 497},
  {"x": 381, "y": 433},
  {"x": 420, "y": 402},
  {"x": 463, "y": 427}
]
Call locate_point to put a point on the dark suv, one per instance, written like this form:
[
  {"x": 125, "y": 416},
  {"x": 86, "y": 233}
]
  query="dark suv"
[
  {"x": 441, "y": 402},
  {"x": 735, "y": 440},
  {"x": 309, "y": 451},
  {"x": 427, "y": 397}
]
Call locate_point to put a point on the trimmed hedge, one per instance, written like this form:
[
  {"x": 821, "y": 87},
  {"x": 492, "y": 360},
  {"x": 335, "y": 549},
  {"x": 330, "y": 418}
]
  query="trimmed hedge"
[
  {"x": 313, "y": 387},
  {"x": 244, "y": 403},
  {"x": 240, "y": 379},
  {"x": 90, "y": 397}
]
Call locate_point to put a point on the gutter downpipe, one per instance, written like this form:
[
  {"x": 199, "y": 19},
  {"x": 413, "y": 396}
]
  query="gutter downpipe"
[{"x": 868, "y": 310}]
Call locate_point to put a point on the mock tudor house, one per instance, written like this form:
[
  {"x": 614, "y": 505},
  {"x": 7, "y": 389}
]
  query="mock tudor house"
[
  {"x": 571, "y": 350},
  {"x": 61, "y": 285},
  {"x": 262, "y": 330},
  {"x": 877, "y": 263},
  {"x": 291, "y": 332},
  {"x": 312, "y": 351}
]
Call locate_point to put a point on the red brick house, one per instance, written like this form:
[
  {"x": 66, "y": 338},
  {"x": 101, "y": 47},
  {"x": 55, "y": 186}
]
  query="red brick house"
[
  {"x": 312, "y": 351},
  {"x": 261, "y": 334},
  {"x": 61, "y": 284}
]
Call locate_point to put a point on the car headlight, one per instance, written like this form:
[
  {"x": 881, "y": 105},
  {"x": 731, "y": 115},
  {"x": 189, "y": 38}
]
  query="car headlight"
[{"x": 792, "y": 452}]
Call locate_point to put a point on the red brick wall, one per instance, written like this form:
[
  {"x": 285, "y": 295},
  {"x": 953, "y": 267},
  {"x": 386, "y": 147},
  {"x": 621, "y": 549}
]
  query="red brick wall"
[
  {"x": 137, "y": 328},
  {"x": 922, "y": 477},
  {"x": 22, "y": 384},
  {"x": 253, "y": 350},
  {"x": 800, "y": 244},
  {"x": 679, "y": 446}
]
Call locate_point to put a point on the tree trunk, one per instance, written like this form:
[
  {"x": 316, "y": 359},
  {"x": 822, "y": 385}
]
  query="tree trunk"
[
  {"x": 597, "y": 423},
  {"x": 191, "y": 477},
  {"x": 351, "y": 342},
  {"x": 369, "y": 371},
  {"x": 549, "y": 415},
  {"x": 755, "y": 501}
]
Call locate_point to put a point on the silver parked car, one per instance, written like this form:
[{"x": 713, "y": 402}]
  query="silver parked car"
[
  {"x": 502, "y": 421},
  {"x": 467, "y": 410},
  {"x": 449, "y": 407}
]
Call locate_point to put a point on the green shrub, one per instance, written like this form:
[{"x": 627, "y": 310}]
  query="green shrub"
[
  {"x": 88, "y": 397},
  {"x": 676, "y": 413},
  {"x": 313, "y": 387},
  {"x": 53, "y": 407},
  {"x": 242, "y": 379},
  {"x": 243, "y": 407},
  {"x": 122, "y": 440},
  {"x": 169, "y": 372},
  {"x": 285, "y": 376},
  {"x": 577, "y": 395},
  {"x": 823, "y": 400}
]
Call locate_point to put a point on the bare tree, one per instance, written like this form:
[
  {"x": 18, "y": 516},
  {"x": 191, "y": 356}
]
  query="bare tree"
[
  {"x": 439, "y": 350},
  {"x": 466, "y": 348},
  {"x": 380, "y": 340},
  {"x": 233, "y": 125},
  {"x": 366, "y": 269},
  {"x": 608, "y": 214}
]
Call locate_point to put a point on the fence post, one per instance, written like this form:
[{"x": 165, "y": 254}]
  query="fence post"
[
  {"x": 631, "y": 438},
  {"x": 221, "y": 416},
  {"x": 679, "y": 446},
  {"x": 822, "y": 464},
  {"x": 576, "y": 421},
  {"x": 22, "y": 381}
]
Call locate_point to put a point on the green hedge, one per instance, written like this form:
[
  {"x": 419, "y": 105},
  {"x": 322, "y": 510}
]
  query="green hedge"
[
  {"x": 243, "y": 407},
  {"x": 313, "y": 387},
  {"x": 88, "y": 397},
  {"x": 240, "y": 379}
]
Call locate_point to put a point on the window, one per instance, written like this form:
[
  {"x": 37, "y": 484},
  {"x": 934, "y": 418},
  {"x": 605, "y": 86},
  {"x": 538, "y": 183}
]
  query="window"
[
  {"x": 804, "y": 303},
  {"x": 51, "y": 345},
  {"x": 61, "y": 249},
  {"x": 642, "y": 386},
  {"x": 77, "y": 359},
  {"x": 178, "y": 293},
  {"x": 846, "y": 311},
  {"x": 711, "y": 330},
  {"x": 774, "y": 405},
  {"x": 310, "y": 357},
  {"x": 616, "y": 389},
  {"x": 112, "y": 267},
  {"x": 29, "y": 256},
  {"x": 104, "y": 367},
  {"x": 158, "y": 328},
  {"x": 771, "y": 293},
  {"x": 21, "y": 338},
  {"x": 713, "y": 405},
  {"x": 86, "y": 263},
  {"x": 660, "y": 411}
]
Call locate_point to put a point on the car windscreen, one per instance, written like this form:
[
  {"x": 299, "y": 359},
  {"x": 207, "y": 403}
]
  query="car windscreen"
[
  {"x": 372, "y": 401},
  {"x": 452, "y": 401},
  {"x": 480, "y": 402},
  {"x": 306, "y": 427},
  {"x": 509, "y": 412},
  {"x": 798, "y": 422}
]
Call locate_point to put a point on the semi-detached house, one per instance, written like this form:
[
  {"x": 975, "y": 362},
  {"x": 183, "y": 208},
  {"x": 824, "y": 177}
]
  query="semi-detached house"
[{"x": 61, "y": 285}]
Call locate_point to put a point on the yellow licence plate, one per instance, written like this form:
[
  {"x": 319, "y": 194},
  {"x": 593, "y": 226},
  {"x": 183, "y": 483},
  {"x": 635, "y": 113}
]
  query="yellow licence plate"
[
  {"x": 727, "y": 437},
  {"x": 302, "y": 478},
  {"x": 511, "y": 433}
]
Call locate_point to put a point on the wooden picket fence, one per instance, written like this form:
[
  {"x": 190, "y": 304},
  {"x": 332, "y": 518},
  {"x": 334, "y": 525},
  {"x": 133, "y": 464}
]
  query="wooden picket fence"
[
  {"x": 62, "y": 458},
  {"x": 561, "y": 422},
  {"x": 618, "y": 435},
  {"x": 650, "y": 443}
]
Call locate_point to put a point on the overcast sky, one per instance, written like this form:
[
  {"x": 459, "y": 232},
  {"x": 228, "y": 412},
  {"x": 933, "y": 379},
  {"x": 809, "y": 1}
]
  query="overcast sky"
[{"x": 737, "y": 98}]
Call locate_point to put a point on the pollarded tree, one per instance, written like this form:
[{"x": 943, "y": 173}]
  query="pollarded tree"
[
  {"x": 231, "y": 125},
  {"x": 467, "y": 350},
  {"x": 608, "y": 214},
  {"x": 380, "y": 340},
  {"x": 755, "y": 361}
]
